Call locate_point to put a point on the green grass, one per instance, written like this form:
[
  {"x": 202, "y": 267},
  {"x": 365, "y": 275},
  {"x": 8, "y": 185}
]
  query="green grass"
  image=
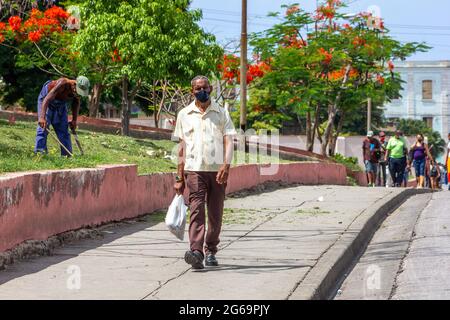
[
  {"x": 17, "y": 145},
  {"x": 242, "y": 216},
  {"x": 151, "y": 156},
  {"x": 312, "y": 211}
]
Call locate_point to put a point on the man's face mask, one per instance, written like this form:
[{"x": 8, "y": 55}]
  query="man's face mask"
[{"x": 202, "y": 96}]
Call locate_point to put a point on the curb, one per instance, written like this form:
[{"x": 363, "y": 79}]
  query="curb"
[{"x": 325, "y": 278}]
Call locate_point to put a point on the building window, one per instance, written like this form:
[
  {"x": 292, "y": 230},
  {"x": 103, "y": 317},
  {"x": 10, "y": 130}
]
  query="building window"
[
  {"x": 429, "y": 122},
  {"x": 427, "y": 89}
]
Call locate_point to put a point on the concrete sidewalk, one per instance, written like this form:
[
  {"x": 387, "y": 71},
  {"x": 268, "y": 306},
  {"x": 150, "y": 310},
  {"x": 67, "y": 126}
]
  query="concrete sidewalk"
[{"x": 273, "y": 246}]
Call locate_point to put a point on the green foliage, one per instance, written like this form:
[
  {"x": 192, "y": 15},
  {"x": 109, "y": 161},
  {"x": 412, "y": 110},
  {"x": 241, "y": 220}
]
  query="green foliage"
[
  {"x": 411, "y": 127},
  {"x": 21, "y": 85},
  {"x": 154, "y": 39},
  {"x": 350, "y": 162},
  {"x": 436, "y": 144},
  {"x": 327, "y": 67}
]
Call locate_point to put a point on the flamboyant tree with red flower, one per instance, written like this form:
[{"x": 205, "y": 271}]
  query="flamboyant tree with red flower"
[
  {"x": 230, "y": 75},
  {"x": 41, "y": 39},
  {"x": 230, "y": 69},
  {"x": 323, "y": 67}
]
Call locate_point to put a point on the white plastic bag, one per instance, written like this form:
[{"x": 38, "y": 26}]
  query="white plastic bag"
[{"x": 176, "y": 217}]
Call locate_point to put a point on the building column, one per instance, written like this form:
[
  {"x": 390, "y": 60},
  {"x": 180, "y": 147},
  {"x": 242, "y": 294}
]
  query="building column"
[
  {"x": 445, "y": 104},
  {"x": 411, "y": 97}
]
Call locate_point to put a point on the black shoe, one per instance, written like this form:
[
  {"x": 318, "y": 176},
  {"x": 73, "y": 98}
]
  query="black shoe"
[
  {"x": 195, "y": 259},
  {"x": 211, "y": 261}
]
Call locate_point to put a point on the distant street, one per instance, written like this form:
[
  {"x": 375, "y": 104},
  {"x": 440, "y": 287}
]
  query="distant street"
[{"x": 409, "y": 257}]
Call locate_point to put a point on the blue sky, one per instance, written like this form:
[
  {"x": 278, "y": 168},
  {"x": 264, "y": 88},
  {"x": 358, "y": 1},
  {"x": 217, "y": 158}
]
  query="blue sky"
[{"x": 408, "y": 20}]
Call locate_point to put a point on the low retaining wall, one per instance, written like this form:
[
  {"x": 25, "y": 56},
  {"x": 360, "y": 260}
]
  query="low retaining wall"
[{"x": 38, "y": 205}]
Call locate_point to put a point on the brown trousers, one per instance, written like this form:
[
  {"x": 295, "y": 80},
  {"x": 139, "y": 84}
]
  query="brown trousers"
[{"x": 204, "y": 190}]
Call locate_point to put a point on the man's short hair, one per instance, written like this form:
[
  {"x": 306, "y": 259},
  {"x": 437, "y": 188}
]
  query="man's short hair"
[{"x": 199, "y": 78}]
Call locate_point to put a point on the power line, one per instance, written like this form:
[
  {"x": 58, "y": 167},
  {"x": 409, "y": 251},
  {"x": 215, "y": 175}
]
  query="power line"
[{"x": 237, "y": 14}]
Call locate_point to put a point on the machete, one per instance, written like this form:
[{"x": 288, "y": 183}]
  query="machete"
[{"x": 74, "y": 133}]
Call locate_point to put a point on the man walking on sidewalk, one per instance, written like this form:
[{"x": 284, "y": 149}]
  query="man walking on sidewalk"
[
  {"x": 382, "y": 172},
  {"x": 371, "y": 150},
  {"x": 205, "y": 131},
  {"x": 396, "y": 152}
]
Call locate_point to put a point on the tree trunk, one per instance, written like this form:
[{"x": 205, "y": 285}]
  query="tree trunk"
[
  {"x": 332, "y": 149},
  {"x": 163, "y": 99},
  {"x": 314, "y": 129},
  {"x": 94, "y": 102},
  {"x": 329, "y": 129},
  {"x": 155, "y": 103},
  {"x": 125, "y": 116},
  {"x": 332, "y": 111},
  {"x": 309, "y": 133}
]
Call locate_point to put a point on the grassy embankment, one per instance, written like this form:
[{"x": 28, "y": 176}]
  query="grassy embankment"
[{"x": 151, "y": 156}]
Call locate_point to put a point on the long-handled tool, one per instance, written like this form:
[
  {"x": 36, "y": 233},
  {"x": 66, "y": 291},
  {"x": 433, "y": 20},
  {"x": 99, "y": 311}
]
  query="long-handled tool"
[
  {"x": 74, "y": 133},
  {"x": 59, "y": 142}
]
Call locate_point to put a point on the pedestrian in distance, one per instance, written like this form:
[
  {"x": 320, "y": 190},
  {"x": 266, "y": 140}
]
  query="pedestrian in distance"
[
  {"x": 382, "y": 166},
  {"x": 406, "y": 176},
  {"x": 435, "y": 174},
  {"x": 371, "y": 152},
  {"x": 447, "y": 161},
  {"x": 444, "y": 178},
  {"x": 52, "y": 110},
  {"x": 417, "y": 157},
  {"x": 205, "y": 131},
  {"x": 396, "y": 151}
]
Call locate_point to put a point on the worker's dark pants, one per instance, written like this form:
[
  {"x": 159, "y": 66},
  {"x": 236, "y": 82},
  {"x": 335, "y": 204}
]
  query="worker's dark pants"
[
  {"x": 397, "y": 168},
  {"x": 204, "y": 190},
  {"x": 56, "y": 117}
]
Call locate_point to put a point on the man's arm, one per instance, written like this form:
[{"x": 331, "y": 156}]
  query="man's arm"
[
  {"x": 363, "y": 150},
  {"x": 75, "y": 110},
  {"x": 49, "y": 97},
  {"x": 222, "y": 175},
  {"x": 388, "y": 152}
]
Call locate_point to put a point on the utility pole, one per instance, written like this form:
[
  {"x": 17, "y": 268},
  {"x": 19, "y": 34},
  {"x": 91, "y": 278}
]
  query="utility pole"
[
  {"x": 369, "y": 114},
  {"x": 243, "y": 94}
]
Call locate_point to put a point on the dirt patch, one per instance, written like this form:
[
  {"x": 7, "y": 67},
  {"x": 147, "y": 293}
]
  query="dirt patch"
[{"x": 262, "y": 188}]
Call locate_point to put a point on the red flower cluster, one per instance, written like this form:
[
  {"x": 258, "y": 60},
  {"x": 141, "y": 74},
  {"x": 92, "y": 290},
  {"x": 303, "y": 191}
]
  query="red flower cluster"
[
  {"x": 39, "y": 23},
  {"x": 2, "y": 28},
  {"x": 293, "y": 41},
  {"x": 327, "y": 11},
  {"x": 380, "y": 79},
  {"x": 391, "y": 66},
  {"x": 57, "y": 13},
  {"x": 292, "y": 10},
  {"x": 15, "y": 22},
  {"x": 116, "y": 56},
  {"x": 230, "y": 69},
  {"x": 35, "y": 36},
  {"x": 358, "y": 41},
  {"x": 339, "y": 74},
  {"x": 326, "y": 56},
  {"x": 258, "y": 70}
]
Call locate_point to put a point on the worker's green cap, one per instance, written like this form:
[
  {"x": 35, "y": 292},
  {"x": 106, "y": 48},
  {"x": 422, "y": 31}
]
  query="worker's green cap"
[{"x": 83, "y": 85}]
